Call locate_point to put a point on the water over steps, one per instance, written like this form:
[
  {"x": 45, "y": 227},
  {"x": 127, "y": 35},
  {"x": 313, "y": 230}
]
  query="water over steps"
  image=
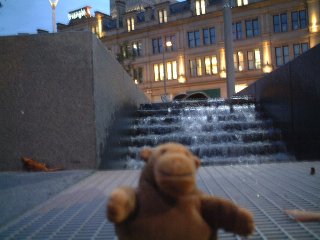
[{"x": 218, "y": 131}]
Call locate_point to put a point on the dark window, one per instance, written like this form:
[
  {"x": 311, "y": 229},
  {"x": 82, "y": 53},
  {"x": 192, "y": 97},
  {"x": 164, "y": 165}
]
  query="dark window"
[
  {"x": 194, "y": 39},
  {"x": 137, "y": 49},
  {"x": 280, "y": 23},
  {"x": 300, "y": 48},
  {"x": 171, "y": 39},
  {"x": 138, "y": 75},
  {"x": 282, "y": 55},
  {"x": 252, "y": 28},
  {"x": 157, "y": 45},
  {"x": 237, "y": 31},
  {"x": 299, "y": 19},
  {"x": 209, "y": 36}
]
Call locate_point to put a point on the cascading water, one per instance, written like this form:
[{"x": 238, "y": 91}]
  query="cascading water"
[{"x": 218, "y": 131}]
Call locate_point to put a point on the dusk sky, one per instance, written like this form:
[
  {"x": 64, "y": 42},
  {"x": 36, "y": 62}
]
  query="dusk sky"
[{"x": 23, "y": 16}]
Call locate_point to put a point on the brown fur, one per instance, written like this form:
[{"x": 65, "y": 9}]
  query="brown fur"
[
  {"x": 33, "y": 165},
  {"x": 167, "y": 204}
]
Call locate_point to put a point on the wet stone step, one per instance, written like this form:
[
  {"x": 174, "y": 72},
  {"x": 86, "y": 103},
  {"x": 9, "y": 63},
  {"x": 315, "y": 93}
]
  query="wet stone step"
[
  {"x": 227, "y": 150},
  {"x": 192, "y": 138},
  {"x": 193, "y": 111}
]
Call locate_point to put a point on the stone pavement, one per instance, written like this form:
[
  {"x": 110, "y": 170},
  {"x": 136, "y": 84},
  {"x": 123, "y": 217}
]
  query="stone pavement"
[{"x": 266, "y": 189}]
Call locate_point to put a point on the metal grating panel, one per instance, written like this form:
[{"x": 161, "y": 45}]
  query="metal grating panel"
[{"x": 266, "y": 189}]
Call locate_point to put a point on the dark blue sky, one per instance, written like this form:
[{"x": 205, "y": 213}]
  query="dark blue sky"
[{"x": 23, "y": 16}]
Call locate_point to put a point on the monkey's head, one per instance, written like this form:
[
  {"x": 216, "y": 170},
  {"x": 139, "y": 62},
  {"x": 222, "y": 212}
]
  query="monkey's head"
[{"x": 173, "y": 168}]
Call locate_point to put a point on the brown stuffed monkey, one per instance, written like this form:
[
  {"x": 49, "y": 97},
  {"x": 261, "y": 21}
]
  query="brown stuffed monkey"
[{"x": 167, "y": 205}]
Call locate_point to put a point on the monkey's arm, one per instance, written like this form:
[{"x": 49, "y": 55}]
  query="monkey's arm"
[
  {"x": 221, "y": 213},
  {"x": 121, "y": 204}
]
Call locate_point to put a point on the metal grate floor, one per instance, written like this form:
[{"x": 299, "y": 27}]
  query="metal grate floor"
[{"x": 266, "y": 189}]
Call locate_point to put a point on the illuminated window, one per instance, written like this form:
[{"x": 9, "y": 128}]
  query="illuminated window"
[
  {"x": 196, "y": 67},
  {"x": 163, "y": 18},
  {"x": 156, "y": 72},
  {"x": 242, "y": 2},
  {"x": 200, "y": 7},
  {"x": 254, "y": 59},
  {"x": 252, "y": 28},
  {"x": 238, "y": 60},
  {"x": 130, "y": 24},
  {"x": 194, "y": 39},
  {"x": 257, "y": 59},
  {"x": 211, "y": 65},
  {"x": 282, "y": 55},
  {"x": 237, "y": 30},
  {"x": 280, "y": 23},
  {"x": 171, "y": 71},
  {"x": 299, "y": 19},
  {"x": 209, "y": 36}
]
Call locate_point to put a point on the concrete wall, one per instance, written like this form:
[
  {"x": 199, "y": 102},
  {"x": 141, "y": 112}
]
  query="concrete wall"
[
  {"x": 291, "y": 96},
  {"x": 59, "y": 95}
]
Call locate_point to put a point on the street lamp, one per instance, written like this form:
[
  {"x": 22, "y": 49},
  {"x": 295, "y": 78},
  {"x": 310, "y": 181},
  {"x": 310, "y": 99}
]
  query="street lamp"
[
  {"x": 164, "y": 97},
  {"x": 54, "y": 4}
]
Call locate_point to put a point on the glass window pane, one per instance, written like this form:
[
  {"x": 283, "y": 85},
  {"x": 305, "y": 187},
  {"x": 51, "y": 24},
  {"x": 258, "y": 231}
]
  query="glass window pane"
[
  {"x": 161, "y": 70},
  {"x": 169, "y": 71},
  {"x": 214, "y": 65},
  {"x": 257, "y": 58},
  {"x": 156, "y": 72},
  {"x": 207, "y": 64},
  {"x": 296, "y": 50},
  {"x": 304, "y": 47},
  {"x": 174, "y": 70},
  {"x": 276, "y": 24},
  {"x": 197, "y": 38},
  {"x": 199, "y": 67}
]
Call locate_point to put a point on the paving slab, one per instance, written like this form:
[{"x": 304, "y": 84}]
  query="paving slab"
[{"x": 266, "y": 189}]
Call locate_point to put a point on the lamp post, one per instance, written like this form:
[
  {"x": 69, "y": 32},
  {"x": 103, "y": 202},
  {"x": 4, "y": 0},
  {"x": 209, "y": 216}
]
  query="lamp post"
[
  {"x": 54, "y": 4},
  {"x": 228, "y": 45},
  {"x": 164, "y": 97}
]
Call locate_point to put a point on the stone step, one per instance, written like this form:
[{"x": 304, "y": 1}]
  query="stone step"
[{"x": 191, "y": 138}]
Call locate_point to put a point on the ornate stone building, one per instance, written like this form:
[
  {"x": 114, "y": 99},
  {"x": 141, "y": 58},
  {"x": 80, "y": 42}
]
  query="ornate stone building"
[{"x": 182, "y": 43}]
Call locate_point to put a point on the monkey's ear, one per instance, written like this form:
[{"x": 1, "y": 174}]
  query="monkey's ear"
[
  {"x": 197, "y": 162},
  {"x": 145, "y": 154}
]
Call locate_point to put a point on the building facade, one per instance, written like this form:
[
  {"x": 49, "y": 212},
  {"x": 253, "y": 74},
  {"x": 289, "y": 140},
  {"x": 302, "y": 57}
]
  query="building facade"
[{"x": 178, "y": 47}]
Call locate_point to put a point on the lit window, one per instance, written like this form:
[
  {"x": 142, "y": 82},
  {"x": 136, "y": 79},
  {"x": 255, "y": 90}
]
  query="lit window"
[
  {"x": 130, "y": 24},
  {"x": 254, "y": 59},
  {"x": 200, "y": 7},
  {"x": 163, "y": 17},
  {"x": 171, "y": 71},
  {"x": 242, "y": 2},
  {"x": 257, "y": 59},
  {"x": 238, "y": 61},
  {"x": 199, "y": 67},
  {"x": 211, "y": 65},
  {"x": 156, "y": 72}
]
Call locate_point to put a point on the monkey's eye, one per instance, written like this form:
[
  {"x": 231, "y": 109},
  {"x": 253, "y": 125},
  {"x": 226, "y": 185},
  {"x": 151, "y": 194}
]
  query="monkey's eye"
[{"x": 163, "y": 151}]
